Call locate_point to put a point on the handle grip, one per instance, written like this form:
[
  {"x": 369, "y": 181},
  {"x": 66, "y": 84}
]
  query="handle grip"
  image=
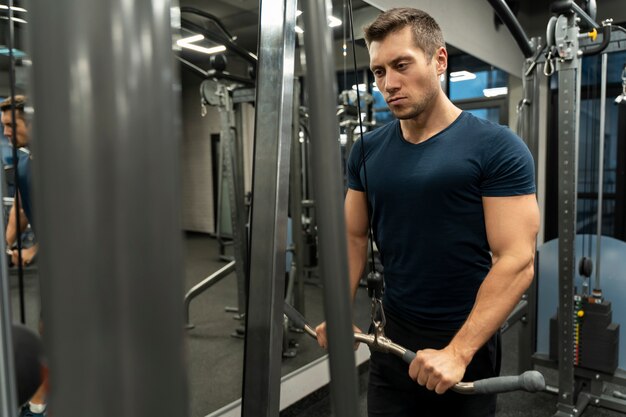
[{"x": 531, "y": 381}]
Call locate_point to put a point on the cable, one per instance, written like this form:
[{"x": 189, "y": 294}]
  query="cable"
[
  {"x": 618, "y": 28},
  {"x": 358, "y": 107}
]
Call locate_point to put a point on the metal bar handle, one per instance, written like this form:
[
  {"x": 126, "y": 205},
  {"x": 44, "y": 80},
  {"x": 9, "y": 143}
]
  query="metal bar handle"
[{"x": 530, "y": 381}]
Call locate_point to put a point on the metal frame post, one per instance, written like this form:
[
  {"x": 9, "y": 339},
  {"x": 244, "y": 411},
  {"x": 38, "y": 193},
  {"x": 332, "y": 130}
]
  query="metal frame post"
[
  {"x": 268, "y": 238},
  {"x": 107, "y": 170},
  {"x": 599, "y": 217},
  {"x": 8, "y": 392},
  {"x": 231, "y": 155},
  {"x": 296, "y": 197},
  {"x": 328, "y": 187},
  {"x": 568, "y": 71},
  {"x": 529, "y": 132}
]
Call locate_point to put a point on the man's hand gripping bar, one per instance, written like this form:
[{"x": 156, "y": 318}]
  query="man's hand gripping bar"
[{"x": 530, "y": 381}]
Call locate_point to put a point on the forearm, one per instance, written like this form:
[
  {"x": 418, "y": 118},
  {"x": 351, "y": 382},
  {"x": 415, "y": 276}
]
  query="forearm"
[
  {"x": 11, "y": 234},
  {"x": 11, "y": 231},
  {"x": 498, "y": 295},
  {"x": 357, "y": 258}
]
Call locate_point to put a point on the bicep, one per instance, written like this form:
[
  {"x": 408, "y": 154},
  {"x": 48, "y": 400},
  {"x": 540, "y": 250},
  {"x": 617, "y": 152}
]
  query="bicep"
[
  {"x": 355, "y": 210},
  {"x": 512, "y": 224}
]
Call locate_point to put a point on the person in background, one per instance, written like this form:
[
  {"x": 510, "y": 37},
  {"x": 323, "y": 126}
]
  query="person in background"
[{"x": 37, "y": 405}]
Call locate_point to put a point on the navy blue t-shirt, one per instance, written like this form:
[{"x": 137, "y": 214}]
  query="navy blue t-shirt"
[{"x": 427, "y": 211}]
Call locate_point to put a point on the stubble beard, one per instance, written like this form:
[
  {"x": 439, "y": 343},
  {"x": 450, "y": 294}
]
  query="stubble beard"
[{"x": 417, "y": 108}]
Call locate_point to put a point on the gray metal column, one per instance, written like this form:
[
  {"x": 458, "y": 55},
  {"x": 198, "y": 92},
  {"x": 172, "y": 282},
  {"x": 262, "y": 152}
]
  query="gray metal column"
[
  {"x": 107, "y": 206},
  {"x": 567, "y": 69},
  {"x": 8, "y": 392},
  {"x": 328, "y": 187},
  {"x": 268, "y": 238},
  {"x": 532, "y": 71},
  {"x": 295, "y": 201}
]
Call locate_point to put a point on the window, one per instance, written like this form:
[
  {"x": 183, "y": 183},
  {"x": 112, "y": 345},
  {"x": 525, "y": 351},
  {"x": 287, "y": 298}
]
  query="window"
[{"x": 478, "y": 88}]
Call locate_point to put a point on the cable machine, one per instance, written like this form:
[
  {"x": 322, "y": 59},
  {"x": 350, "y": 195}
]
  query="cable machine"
[{"x": 584, "y": 340}]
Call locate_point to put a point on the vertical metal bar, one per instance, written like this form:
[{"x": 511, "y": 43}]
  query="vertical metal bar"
[
  {"x": 328, "y": 188},
  {"x": 238, "y": 206},
  {"x": 530, "y": 123},
  {"x": 8, "y": 392},
  {"x": 296, "y": 197},
  {"x": 274, "y": 98},
  {"x": 602, "y": 122},
  {"x": 232, "y": 180},
  {"x": 107, "y": 175},
  {"x": 568, "y": 174}
]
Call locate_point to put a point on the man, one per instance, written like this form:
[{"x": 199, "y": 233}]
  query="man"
[
  {"x": 37, "y": 404},
  {"x": 21, "y": 140},
  {"x": 454, "y": 212}
]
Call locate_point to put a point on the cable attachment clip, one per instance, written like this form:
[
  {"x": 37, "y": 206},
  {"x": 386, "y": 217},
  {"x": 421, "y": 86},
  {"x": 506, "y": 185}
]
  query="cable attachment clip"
[
  {"x": 375, "y": 292},
  {"x": 548, "y": 68}
]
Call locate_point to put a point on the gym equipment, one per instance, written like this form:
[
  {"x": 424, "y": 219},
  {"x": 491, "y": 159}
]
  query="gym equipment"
[
  {"x": 226, "y": 97},
  {"x": 530, "y": 381},
  {"x": 584, "y": 339}
]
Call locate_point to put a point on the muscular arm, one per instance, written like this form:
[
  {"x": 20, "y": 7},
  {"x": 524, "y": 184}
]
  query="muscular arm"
[
  {"x": 11, "y": 232},
  {"x": 357, "y": 236},
  {"x": 512, "y": 224}
]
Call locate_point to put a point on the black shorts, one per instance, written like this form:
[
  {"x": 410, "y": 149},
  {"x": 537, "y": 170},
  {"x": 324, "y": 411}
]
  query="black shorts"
[{"x": 392, "y": 393}]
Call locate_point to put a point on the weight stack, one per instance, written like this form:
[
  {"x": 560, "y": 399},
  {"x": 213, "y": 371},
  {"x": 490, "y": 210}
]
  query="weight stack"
[{"x": 596, "y": 337}]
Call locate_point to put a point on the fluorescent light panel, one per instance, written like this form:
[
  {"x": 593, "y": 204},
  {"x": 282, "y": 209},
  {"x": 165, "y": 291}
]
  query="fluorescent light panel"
[
  {"x": 332, "y": 22},
  {"x": 496, "y": 91},
  {"x": 15, "y": 9},
  {"x": 15, "y": 19},
  {"x": 210, "y": 51},
  {"x": 461, "y": 76},
  {"x": 189, "y": 44}
]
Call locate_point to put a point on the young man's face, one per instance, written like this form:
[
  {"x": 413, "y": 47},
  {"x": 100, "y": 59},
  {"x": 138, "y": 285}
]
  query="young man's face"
[
  {"x": 21, "y": 130},
  {"x": 408, "y": 79}
]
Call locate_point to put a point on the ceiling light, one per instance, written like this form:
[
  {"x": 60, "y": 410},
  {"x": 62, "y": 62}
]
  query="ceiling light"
[
  {"x": 213, "y": 50},
  {"x": 299, "y": 29},
  {"x": 190, "y": 39},
  {"x": 461, "y": 76},
  {"x": 494, "y": 92},
  {"x": 15, "y": 9},
  {"x": 189, "y": 44},
  {"x": 333, "y": 21}
]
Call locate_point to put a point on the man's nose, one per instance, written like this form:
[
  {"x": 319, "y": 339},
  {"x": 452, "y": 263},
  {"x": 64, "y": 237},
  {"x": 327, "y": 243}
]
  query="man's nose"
[{"x": 391, "y": 82}]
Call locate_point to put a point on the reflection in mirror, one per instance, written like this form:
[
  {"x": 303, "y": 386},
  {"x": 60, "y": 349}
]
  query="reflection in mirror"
[
  {"x": 216, "y": 51},
  {"x": 18, "y": 213}
]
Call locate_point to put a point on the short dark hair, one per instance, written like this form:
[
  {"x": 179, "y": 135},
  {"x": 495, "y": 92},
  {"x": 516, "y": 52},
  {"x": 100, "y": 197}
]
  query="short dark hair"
[
  {"x": 20, "y": 103},
  {"x": 426, "y": 32}
]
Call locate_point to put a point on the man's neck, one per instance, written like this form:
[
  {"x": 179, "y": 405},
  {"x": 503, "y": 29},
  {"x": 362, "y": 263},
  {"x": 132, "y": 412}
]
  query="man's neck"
[{"x": 431, "y": 121}]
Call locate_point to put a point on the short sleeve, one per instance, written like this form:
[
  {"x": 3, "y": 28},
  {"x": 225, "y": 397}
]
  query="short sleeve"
[
  {"x": 355, "y": 161},
  {"x": 509, "y": 167}
]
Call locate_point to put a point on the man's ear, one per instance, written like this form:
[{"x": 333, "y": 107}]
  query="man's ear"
[{"x": 441, "y": 60}]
